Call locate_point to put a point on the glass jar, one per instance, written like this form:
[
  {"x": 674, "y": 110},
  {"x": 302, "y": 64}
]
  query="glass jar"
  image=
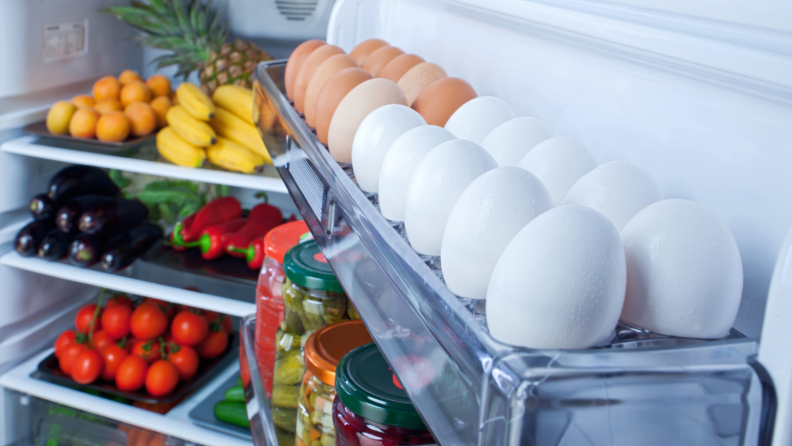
[
  {"x": 372, "y": 408},
  {"x": 324, "y": 348},
  {"x": 269, "y": 298},
  {"x": 312, "y": 298}
]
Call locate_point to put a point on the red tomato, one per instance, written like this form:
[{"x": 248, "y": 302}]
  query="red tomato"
[
  {"x": 101, "y": 340},
  {"x": 223, "y": 319},
  {"x": 148, "y": 350},
  {"x": 170, "y": 309},
  {"x": 68, "y": 355},
  {"x": 148, "y": 322},
  {"x": 167, "y": 337},
  {"x": 113, "y": 356},
  {"x": 65, "y": 338},
  {"x": 116, "y": 320},
  {"x": 189, "y": 328},
  {"x": 185, "y": 360},
  {"x": 87, "y": 367},
  {"x": 214, "y": 345},
  {"x": 83, "y": 319},
  {"x": 119, "y": 300},
  {"x": 131, "y": 374},
  {"x": 162, "y": 378}
]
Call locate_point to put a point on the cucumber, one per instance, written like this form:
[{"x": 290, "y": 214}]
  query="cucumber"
[
  {"x": 235, "y": 394},
  {"x": 231, "y": 412}
]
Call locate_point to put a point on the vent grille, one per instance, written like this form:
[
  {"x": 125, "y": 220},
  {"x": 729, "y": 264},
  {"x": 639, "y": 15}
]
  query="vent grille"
[
  {"x": 304, "y": 175},
  {"x": 295, "y": 9}
]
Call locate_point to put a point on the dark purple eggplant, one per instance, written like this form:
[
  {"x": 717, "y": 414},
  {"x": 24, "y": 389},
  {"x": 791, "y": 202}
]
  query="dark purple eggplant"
[
  {"x": 124, "y": 248},
  {"x": 29, "y": 238},
  {"x": 85, "y": 250},
  {"x": 67, "y": 219},
  {"x": 74, "y": 181},
  {"x": 55, "y": 245},
  {"x": 42, "y": 208},
  {"x": 112, "y": 215}
]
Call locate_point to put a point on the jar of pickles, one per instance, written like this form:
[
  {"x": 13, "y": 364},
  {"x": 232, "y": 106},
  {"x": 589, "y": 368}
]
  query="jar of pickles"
[
  {"x": 372, "y": 408},
  {"x": 324, "y": 348},
  {"x": 269, "y": 298},
  {"x": 312, "y": 298}
]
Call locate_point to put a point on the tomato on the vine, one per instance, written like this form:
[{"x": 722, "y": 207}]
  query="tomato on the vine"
[
  {"x": 116, "y": 321},
  {"x": 148, "y": 322},
  {"x": 189, "y": 328},
  {"x": 66, "y": 338},
  {"x": 113, "y": 356},
  {"x": 83, "y": 319},
  {"x": 100, "y": 340},
  {"x": 148, "y": 350},
  {"x": 170, "y": 309},
  {"x": 162, "y": 378},
  {"x": 119, "y": 300},
  {"x": 68, "y": 355},
  {"x": 87, "y": 367},
  {"x": 185, "y": 360},
  {"x": 223, "y": 319},
  {"x": 213, "y": 345},
  {"x": 131, "y": 373}
]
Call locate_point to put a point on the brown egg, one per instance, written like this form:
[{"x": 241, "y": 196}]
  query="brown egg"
[
  {"x": 308, "y": 69},
  {"x": 364, "y": 48},
  {"x": 331, "y": 95},
  {"x": 419, "y": 76},
  {"x": 400, "y": 65},
  {"x": 326, "y": 70},
  {"x": 353, "y": 109},
  {"x": 440, "y": 99},
  {"x": 295, "y": 62},
  {"x": 377, "y": 60}
]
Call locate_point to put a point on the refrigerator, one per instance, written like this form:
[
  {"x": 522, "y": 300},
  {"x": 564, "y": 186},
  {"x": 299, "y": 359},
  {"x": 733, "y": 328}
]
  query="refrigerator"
[{"x": 698, "y": 95}]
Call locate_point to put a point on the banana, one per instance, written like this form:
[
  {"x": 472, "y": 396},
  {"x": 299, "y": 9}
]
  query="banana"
[
  {"x": 238, "y": 100},
  {"x": 178, "y": 151},
  {"x": 195, "y": 101},
  {"x": 197, "y": 133},
  {"x": 232, "y": 156},
  {"x": 230, "y": 126}
]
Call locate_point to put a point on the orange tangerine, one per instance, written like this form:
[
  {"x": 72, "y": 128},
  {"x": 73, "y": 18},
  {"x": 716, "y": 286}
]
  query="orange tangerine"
[
  {"x": 128, "y": 76},
  {"x": 83, "y": 100},
  {"x": 135, "y": 92},
  {"x": 59, "y": 117},
  {"x": 159, "y": 85},
  {"x": 142, "y": 118},
  {"x": 112, "y": 127},
  {"x": 83, "y": 123},
  {"x": 161, "y": 104},
  {"x": 106, "y": 87},
  {"x": 108, "y": 105}
]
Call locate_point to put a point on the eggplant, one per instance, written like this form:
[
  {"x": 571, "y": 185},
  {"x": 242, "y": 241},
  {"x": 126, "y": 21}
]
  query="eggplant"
[
  {"x": 74, "y": 181},
  {"x": 29, "y": 238},
  {"x": 68, "y": 216},
  {"x": 42, "y": 208},
  {"x": 112, "y": 215},
  {"x": 85, "y": 250},
  {"x": 124, "y": 248},
  {"x": 55, "y": 245}
]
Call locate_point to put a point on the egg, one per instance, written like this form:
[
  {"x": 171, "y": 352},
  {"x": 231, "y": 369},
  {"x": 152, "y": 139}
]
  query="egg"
[
  {"x": 477, "y": 117},
  {"x": 436, "y": 184},
  {"x": 399, "y": 164},
  {"x": 356, "y": 105},
  {"x": 375, "y": 136},
  {"x": 295, "y": 62},
  {"x": 364, "y": 48},
  {"x": 617, "y": 189},
  {"x": 400, "y": 65},
  {"x": 417, "y": 78},
  {"x": 377, "y": 60},
  {"x": 334, "y": 90},
  {"x": 308, "y": 69},
  {"x": 509, "y": 142},
  {"x": 485, "y": 218},
  {"x": 323, "y": 73},
  {"x": 684, "y": 272},
  {"x": 560, "y": 282},
  {"x": 440, "y": 99},
  {"x": 558, "y": 162}
]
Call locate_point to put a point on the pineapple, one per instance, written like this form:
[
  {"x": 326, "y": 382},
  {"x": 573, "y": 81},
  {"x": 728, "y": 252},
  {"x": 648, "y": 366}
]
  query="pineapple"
[{"x": 193, "y": 32}]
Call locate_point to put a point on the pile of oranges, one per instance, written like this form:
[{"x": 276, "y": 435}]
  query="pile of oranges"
[{"x": 117, "y": 109}]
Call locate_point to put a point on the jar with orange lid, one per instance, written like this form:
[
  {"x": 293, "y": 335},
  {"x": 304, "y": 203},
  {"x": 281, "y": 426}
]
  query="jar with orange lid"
[
  {"x": 323, "y": 350},
  {"x": 269, "y": 295}
]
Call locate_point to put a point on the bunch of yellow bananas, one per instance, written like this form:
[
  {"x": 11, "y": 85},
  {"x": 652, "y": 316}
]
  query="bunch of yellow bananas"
[{"x": 194, "y": 126}]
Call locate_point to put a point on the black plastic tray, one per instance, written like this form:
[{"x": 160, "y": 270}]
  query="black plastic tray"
[
  {"x": 190, "y": 260},
  {"x": 49, "y": 370},
  {"x": 40, "y": 129},
  {"x": 203, "y": 413}
]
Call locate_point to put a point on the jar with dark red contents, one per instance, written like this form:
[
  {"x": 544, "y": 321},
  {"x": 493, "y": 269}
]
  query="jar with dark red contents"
[{"x": 371, "y": 408}]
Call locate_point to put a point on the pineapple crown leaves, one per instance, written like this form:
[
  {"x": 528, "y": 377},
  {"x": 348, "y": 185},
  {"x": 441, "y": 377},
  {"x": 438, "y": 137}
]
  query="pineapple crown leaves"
[{"x": 190, "y": 29}]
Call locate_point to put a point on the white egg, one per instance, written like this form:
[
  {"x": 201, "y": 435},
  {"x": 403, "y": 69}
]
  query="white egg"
[
  {"x": 617, "y": 189},
  {"x": 558, "y": 162},
  {"x": 438, "y": 181},
  {"x": 477, "y": 117},
  {"x": 399, "y": 164},
  {"x": 559, "y": 283},
  {"x": 488, "y": 214},
  {"x": 509, "y": 142},
  {"x": 684, "y": 272},
  {"x": 375, "y": 136}
]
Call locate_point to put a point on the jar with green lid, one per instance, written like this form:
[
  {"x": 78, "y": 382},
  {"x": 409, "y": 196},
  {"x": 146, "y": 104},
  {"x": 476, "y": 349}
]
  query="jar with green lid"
[{"x": 312, "y": 298}]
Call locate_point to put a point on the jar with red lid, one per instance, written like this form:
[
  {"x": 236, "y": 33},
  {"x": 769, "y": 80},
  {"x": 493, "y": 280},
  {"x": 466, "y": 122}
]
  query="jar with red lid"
[
  {"x": 371, "y": 408},
  {"x": 269, "y": 297}
]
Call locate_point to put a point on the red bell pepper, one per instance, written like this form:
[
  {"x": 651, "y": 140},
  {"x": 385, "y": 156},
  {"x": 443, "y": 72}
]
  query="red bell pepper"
[
  {"x": 254, "y": 253},
  {"x": 187, "y": 223},
  {"x": 213, "y": 239},
  {"x": 217, "y": 211},
  {"x": 261, "y": 219}
]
